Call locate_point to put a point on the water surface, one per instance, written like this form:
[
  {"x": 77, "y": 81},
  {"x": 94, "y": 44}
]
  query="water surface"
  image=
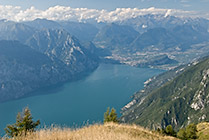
[{"x": 74, "y": 103}]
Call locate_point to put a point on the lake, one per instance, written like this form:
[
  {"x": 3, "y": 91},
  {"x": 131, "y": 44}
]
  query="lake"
[{"x": 76, "y": 103}]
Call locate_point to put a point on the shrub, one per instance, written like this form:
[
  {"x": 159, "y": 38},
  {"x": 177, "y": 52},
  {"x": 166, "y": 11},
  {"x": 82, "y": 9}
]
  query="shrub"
[{"x": 190, "y": 132}]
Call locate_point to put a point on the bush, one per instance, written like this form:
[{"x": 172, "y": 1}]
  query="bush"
[
  {"x": 189, "y": 133},
  {"x": 169, "y": 131},
  {"x": 24, "y": 123}
]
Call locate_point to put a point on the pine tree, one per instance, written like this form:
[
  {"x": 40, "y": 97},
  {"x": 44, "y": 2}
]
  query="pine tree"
[
  {"x": 113, "y": 115},
  {"x": 24, "y": 123},
  {"x": 106, "y": 115},
  {"x": 110, "y": 116}
]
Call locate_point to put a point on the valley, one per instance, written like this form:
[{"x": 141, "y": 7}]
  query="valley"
[
  {"x": 152, "y": 67},
  {"x": 73, "y": 52}
]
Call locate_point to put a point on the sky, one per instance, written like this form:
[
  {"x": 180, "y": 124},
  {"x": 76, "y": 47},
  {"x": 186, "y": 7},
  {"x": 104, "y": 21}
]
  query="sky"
[
  {"x": 194, "y": 5},
  {"x": 99, "y": 10}
]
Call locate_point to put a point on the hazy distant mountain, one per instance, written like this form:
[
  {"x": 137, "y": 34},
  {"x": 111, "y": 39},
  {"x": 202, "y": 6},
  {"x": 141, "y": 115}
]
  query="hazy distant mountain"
[
  {"x": 83, "y": 31},
  {"x": 115, "y": 37},
  {"x": 158, "y": 39},
  {"x": 145, "y": 22},
  {"x": 178, "y": 38},
  {"x": 179, "y": 101},
  {"x": 43, "y": 24},
  {"x": 185, "y": 37},
  {"x": 10, "y": 30}
]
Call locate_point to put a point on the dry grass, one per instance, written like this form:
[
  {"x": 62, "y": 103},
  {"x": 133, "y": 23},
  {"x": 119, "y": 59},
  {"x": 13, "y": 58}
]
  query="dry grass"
[
  {"x": 203, "y": 131},
  {"x": 109, "y": 131}
]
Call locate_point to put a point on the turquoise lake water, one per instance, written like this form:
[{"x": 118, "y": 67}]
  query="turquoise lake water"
[{"x": 79, "y": 102}]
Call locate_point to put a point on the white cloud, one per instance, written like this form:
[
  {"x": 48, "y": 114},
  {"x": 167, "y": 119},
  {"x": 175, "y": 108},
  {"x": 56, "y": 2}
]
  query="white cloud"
[{"x": 15, "y": 13}]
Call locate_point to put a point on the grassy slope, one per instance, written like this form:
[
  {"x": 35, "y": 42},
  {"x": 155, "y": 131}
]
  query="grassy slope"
[{"x": 108, "y": 131}]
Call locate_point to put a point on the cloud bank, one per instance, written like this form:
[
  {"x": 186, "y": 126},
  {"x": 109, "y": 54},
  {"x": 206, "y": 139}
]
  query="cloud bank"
[{"x": 15, "y": 13}]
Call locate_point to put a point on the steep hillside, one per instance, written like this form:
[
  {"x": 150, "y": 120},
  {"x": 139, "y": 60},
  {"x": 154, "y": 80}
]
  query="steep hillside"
[
  {"x": 97, "y": 132},
  {"x": 23, "y": 70},
  {"x": 178, "y": 102}
]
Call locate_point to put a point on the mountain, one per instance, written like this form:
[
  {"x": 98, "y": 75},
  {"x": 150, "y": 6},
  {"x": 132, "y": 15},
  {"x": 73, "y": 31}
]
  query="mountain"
[
  {"x": 43, "y": 24},
  {"x": 142, "y": 23},
  {"x": 162, "y": 46},
  {"x": 179, "y": 101},
  {"x": 23, "y": 70},
  {"x": 61, "y": 45},
  {"x": 83, "y": 31},
  {"x": 115, "y": 37},
  {"x": 181, "y": 40},
  {"x": 146, "y": 49},
  {"x": 49, "y": 57},
  {"x": 157, "y": 39},
  {"x": 178, "y": 38},
  {"x": 10, "y": 30}
]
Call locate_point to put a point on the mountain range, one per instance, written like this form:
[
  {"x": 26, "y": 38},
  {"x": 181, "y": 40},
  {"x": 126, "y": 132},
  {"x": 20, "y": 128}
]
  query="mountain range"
[{"x": 73, "y": 49}]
